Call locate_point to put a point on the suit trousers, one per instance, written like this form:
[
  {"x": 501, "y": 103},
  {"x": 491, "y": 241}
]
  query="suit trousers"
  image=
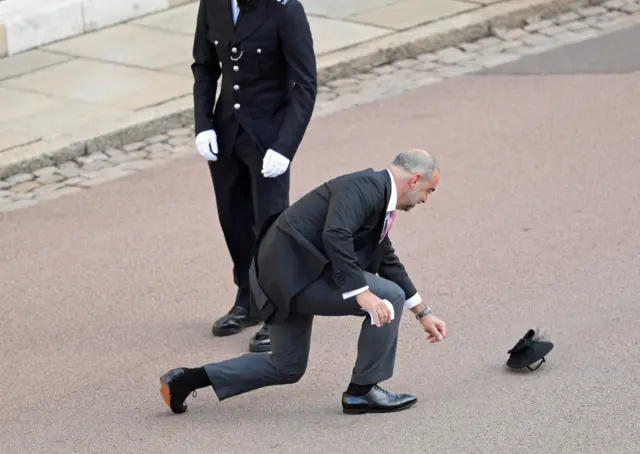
[
  {"x": 245, "y": 199},
  {"x": 291, "y": 340}
]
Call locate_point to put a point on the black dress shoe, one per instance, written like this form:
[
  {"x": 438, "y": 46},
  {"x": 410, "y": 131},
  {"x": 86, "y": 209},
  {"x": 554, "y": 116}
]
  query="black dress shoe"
[
  {"x": 377, "y": 400},
  {"x": 232, "y": 323},
  {"x": 174, "y": 390},
  {"x": 260, "y": 342}
]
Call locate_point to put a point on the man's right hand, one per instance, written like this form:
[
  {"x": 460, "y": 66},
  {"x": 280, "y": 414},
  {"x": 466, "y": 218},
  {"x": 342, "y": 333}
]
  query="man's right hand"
[
  {"x": 207, "y": 144},
  {"x": 375, "y": 306},
  {"x": 434, "y": 327}
]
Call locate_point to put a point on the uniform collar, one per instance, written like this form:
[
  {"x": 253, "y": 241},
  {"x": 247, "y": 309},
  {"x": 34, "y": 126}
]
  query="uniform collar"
[{"x": 393, "y": 200}]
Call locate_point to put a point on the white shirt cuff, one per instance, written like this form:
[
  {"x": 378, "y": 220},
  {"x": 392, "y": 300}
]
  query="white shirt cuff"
[
  {"x": 409, "y": 304},
  {"x": 413, "y": 301},
  {"x": 354, "y": 292}
]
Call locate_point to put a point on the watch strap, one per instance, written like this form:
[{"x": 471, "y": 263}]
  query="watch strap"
[{"x": 424, "y": 313}]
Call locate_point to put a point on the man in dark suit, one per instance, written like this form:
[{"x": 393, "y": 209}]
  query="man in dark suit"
[
  {"x": 263, "y": 49},
  {"x": 329, "y": 254}
]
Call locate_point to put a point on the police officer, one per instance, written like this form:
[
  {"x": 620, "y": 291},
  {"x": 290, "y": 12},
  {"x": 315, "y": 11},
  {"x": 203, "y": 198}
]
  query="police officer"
[{"x": 263, "y": 49}]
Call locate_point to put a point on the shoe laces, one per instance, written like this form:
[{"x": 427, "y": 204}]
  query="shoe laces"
[
  {"x": 385, "y": 392},
  {"x": 379, "y": 388}
]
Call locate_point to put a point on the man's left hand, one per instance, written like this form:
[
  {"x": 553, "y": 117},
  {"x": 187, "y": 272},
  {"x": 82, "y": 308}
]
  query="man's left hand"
[
  {"x": 274, "y": 164},
  {"x": 435, "y": 328}
]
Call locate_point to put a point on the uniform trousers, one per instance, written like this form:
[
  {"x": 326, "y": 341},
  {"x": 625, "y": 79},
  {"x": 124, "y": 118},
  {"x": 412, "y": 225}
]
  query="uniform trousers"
[{"x": 245, "y": 199}]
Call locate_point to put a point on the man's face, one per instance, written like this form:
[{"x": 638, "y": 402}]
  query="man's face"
[{"x": 417, "y": 191}]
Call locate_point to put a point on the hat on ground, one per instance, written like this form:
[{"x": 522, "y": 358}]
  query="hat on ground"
[{"x": 529, "y": 350}]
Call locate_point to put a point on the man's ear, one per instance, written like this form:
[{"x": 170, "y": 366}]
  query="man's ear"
[{"x": 414, "y": 181}]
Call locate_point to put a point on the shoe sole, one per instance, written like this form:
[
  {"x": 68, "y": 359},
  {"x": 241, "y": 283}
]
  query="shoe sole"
[
  {"x": 165, "y": 392},
  {"x": 361, "y": 411}
]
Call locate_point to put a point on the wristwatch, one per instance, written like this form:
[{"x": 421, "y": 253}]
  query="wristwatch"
[{"x": 424, "y": 313}]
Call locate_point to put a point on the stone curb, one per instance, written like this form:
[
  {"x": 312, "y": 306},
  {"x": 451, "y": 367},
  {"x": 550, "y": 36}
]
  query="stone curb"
[
  {"x": 347, "y": 62},
  {"x": 27, "y": 24}
]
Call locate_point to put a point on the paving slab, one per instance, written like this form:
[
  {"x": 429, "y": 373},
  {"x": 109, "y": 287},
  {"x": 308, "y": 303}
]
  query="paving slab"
[
  {"x": 331, "y": 35},
  {"x": 105, "y": 83},
  {"x": 181, "y": 19},
  {"x": 129, "y": 45},
  {"x": 143, "y": 66},
  {"x": 529, "y": 228},
  {"x": 29, "y": 61},
  {"x": 181, "y": 69},
  {"x": 339, "y": 9},
  {"x": 11, "y": 139},
  {"x": 410, "y": 13},
  {"x": 46, "y": 116}
]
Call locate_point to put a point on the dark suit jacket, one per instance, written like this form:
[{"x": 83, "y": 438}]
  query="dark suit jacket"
[
  {"x": 268, "y": 69},
  {"x": 332, "y": 231}
]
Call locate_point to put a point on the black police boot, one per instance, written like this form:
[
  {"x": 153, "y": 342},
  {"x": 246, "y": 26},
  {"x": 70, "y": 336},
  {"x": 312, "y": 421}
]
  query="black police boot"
[
  {"x": 234, "y": 322},
  {"x": 260, "y": 342}
]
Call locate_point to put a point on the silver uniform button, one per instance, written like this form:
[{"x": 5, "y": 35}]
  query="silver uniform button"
[
  {"x": 236, "y": 87},
  {"x": 216, "y": 42},
  {"x": 234, "y": 50},
  {"x": 236, "y": 106},
  {"x": 259, "y": 51},
  {"x": 235, "y": 68}
]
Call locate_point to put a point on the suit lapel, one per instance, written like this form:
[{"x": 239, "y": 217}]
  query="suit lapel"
[{"x": 249, "y": 21}]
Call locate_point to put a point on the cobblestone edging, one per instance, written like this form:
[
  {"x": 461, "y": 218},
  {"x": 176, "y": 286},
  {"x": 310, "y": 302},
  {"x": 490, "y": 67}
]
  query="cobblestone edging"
[{"x": 583, "y": 22}]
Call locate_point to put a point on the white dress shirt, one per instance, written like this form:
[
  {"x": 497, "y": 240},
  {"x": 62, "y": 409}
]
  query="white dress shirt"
[
  {"x": 393, "y": 200},
  {"x": 235, "y": 9}
]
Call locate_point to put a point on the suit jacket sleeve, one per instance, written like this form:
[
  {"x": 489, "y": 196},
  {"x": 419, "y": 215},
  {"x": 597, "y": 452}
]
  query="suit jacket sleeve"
[
  {"x": 297, "y": 48},
  {"x": 352, "y": 202},
  {"x": 206, "y": 72},
  {"x": 391, "y": 268}
]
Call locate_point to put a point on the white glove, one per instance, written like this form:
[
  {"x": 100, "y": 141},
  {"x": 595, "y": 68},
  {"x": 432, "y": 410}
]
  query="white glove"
[
  {"x": 207, "y": 144},
  {"x": 274, "y": 164}
]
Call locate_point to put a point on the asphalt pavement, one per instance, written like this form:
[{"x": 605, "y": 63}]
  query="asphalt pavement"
[{"x": 534, "y": 225}]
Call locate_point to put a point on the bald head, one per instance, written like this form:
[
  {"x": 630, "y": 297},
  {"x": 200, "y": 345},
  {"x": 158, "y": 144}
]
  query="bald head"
[
  {"x": 416, "y": 173},
  {"x": 416, "y": 161}
]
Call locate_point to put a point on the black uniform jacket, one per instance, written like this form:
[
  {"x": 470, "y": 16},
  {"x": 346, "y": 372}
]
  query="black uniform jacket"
[
  {"x": 268, "y": 69},
  {"x": 332, "y": 232}
]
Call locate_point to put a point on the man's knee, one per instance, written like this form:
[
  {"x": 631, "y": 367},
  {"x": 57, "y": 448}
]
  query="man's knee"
[
  {"x": 291, "y": 371},
  {"x": 293, "y": 377},
  {"x": 385, "y": 289},
  {"x": 393, "y": 293}
]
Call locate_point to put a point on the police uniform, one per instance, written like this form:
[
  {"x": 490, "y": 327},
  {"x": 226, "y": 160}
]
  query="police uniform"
[{"x": 268, "y": 91}]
